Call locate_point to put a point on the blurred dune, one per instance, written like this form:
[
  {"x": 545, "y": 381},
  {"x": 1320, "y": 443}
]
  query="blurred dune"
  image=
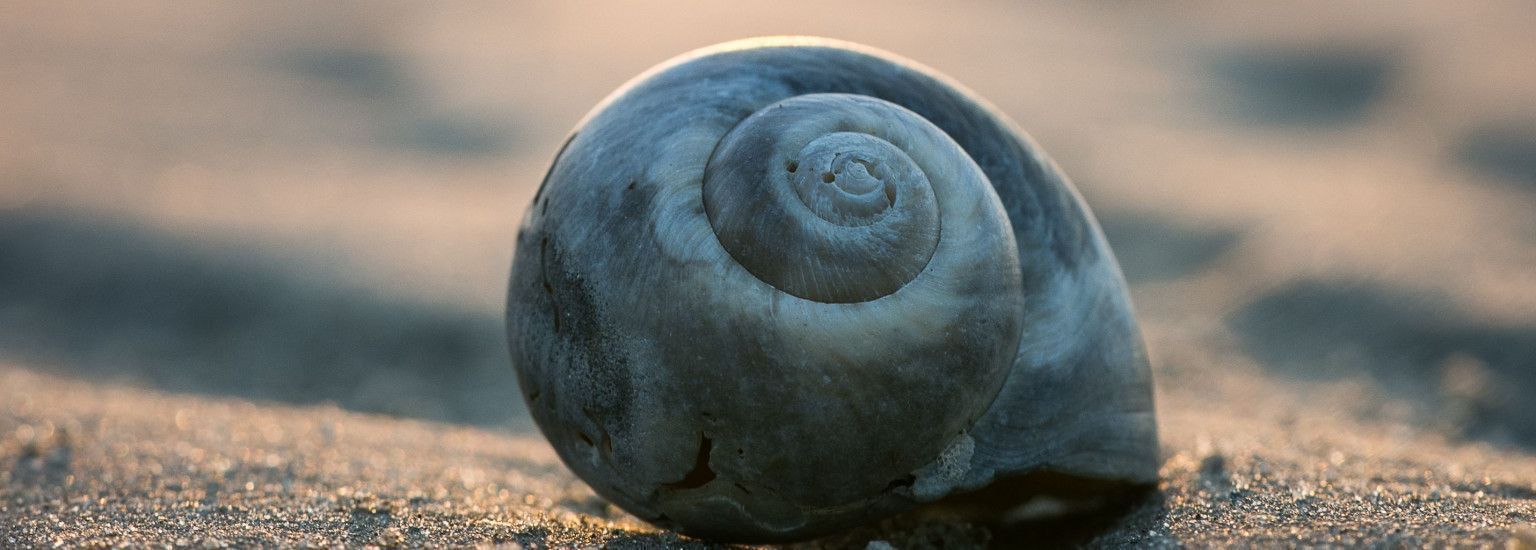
[
  {"x": 1325, "y": 210},
  {"x": 1323, "y": 87},
  {"x": 115, "y": 302},
  {"x": 1477, "y": 376}
]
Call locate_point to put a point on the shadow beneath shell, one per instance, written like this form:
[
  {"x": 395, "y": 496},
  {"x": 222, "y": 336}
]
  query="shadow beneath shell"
[
  {"x": 1066, "y": 512},
  {"x": 657, "y": 541},
  {"x": 1037, "y": 510}
]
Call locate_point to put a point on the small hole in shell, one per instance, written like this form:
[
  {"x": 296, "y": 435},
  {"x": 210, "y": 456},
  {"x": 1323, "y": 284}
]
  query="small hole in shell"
[
  {"x": 791, "y": 166},
  {"x": 827, "y": 177}
]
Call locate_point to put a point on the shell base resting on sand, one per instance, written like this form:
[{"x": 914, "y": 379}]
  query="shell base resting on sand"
[{"x": 779, "y": 287}]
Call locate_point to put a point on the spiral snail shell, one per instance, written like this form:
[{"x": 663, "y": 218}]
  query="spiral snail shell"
[{"x": 779, "y": 287}]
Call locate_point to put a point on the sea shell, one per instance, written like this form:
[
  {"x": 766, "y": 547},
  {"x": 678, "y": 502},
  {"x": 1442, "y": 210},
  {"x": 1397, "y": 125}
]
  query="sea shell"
[{"x": 779, "y": 287}]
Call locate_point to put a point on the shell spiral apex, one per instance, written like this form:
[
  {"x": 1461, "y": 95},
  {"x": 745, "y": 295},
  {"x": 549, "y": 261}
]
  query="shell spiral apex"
[{"x": 779, "y": 287}]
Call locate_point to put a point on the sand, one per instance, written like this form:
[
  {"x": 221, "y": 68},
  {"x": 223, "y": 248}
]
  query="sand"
[
  {"x": 252, "y": 261},
  {"x": 92, "y": 464}
]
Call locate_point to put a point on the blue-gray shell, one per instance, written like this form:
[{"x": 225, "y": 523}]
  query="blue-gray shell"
[{"x": 701, "y": 376}]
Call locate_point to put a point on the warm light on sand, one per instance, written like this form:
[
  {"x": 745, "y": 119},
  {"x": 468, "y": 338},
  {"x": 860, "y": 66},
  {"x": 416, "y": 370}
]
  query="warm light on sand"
[{"x": 253, "y": 259}]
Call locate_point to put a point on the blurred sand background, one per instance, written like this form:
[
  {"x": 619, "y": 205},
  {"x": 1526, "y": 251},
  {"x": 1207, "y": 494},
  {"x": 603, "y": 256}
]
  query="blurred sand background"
[{"x": 253, "y": 257}]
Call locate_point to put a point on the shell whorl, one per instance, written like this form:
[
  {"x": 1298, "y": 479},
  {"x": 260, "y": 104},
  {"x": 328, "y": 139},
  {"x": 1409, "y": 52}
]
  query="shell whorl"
[
  {"x": 781, "y": 286},
  {"x": 827, "y": 196}
]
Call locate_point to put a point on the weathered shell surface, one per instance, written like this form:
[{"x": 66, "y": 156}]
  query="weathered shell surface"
[{"x": 778, "y": 287}]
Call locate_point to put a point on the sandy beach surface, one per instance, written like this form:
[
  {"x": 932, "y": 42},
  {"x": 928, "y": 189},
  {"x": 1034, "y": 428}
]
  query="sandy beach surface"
[
  {"x": 88, "y": 464},
  {"x": 253, "y": 258}
]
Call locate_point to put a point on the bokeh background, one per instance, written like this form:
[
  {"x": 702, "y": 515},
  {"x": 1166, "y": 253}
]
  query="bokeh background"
[{"x": 1321, "y": 208}]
